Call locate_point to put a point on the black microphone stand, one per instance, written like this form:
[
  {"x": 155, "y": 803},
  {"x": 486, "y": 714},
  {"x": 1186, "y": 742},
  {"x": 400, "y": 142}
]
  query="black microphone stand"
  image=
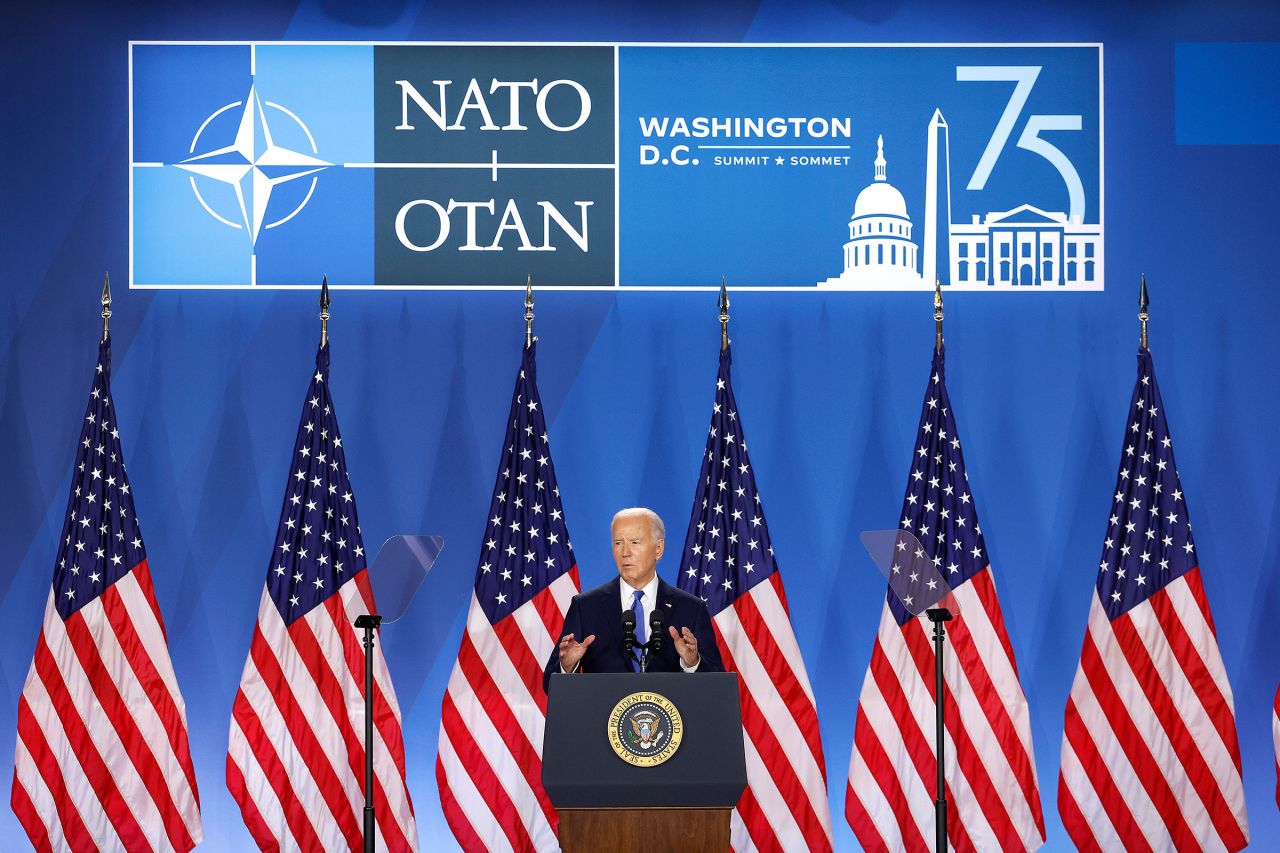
[
  {"x": 652, "y": 647},
  {"x": 369, "y": 622},
  {"x": 654, "y": 643},
  {"x": 939, "y": 616},
  {"x": 629, "y": 634},
  {"x": 630, "y": 642}
]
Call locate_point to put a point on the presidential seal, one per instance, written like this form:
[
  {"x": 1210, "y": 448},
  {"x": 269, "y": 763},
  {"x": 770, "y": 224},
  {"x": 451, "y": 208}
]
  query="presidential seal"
[{"x": 645, "y": 729}]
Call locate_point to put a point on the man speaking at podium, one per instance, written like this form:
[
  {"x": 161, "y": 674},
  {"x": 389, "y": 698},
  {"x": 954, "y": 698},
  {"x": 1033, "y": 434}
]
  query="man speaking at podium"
[{"x": 593, "y": 638}]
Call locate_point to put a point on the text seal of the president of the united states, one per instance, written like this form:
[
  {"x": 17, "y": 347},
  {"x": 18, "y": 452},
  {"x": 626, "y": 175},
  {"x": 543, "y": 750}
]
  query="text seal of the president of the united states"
[{"x": 645, "y": 729}]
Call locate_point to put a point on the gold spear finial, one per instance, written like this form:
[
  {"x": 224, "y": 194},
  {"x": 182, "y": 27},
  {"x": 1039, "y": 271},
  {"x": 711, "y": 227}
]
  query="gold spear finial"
[
  {"x": 324, "y": 310},
  {"x": 528, "y": 313},
  {"x": 1143, "y": 302},
  {"x": 106, "y": 305},
  {"x": 724, "y": 315},
  {"x": 937, "y": 313}
]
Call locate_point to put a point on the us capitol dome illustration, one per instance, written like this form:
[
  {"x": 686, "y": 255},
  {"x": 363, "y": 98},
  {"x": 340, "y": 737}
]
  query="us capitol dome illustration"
[{"x": 880, "y": 253}]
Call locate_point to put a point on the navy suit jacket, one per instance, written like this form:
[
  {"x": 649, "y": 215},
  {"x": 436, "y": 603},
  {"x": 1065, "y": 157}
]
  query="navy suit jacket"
[{"x": 599, "y": 611}]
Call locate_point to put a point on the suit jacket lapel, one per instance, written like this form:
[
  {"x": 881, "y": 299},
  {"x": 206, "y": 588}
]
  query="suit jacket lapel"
[
  {"x": 664, "y": 596},
  {"x": 663, "y": 603},
  {"x": 613, "y": 615}
]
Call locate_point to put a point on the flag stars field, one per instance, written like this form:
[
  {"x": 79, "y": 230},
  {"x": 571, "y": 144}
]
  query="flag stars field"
[{"x": 1147, "y": 511}]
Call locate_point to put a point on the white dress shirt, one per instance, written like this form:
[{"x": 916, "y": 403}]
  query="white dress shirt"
[{"x": 648, "y": 601}]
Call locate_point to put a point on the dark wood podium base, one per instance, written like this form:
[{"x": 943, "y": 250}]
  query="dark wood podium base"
[{"x": 650, "y": 830}]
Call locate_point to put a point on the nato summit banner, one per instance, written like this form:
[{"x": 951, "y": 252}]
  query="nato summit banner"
[{"x": 601, "y": 166}]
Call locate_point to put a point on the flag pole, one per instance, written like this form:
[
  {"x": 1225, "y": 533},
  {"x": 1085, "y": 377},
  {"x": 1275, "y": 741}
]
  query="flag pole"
[
  {"x": 528, "y": 313},
  {"x": 939, "y": 616},
  {"x": 724, "y": 316},
  {"x": 106, "y": 306},
  {"x": 937, "y": 313},
  {"x": 324, "y": 310},
  {"x": 1143, "y": 303}
]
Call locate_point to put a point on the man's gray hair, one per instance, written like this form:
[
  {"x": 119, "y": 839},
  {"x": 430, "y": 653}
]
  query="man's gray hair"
[{"x": 659, "y": 529}]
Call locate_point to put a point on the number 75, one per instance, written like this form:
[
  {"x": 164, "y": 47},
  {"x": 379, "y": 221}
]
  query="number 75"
[{"x": 1024, "y": 76}]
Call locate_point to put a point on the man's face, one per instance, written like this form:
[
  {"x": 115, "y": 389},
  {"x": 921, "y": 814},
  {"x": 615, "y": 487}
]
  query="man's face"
[{"x": 635, "y": 550}]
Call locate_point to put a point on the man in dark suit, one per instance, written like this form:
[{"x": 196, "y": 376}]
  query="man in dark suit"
[{"x": 591, "y": 640}]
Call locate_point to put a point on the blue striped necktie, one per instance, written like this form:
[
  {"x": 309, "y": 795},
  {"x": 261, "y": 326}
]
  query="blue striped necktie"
[{"x": 637, "y": 607}]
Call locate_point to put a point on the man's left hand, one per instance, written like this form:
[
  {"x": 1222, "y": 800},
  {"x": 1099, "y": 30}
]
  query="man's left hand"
[{"x": 686, "y": 646}]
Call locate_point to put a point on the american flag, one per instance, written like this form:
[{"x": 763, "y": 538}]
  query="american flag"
[
  {"x": 295, "y": 758},
  {"x": 992, "y": 790},
  {"x": 728, "y": 560},
  {"x": 489, "y": 765},
  {"x": 102, "y": 761},
  {"x": 1150, "y": 759}
]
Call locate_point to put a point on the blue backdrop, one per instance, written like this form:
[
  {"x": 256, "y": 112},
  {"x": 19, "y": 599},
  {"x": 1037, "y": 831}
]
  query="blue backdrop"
[{"x": 208, "y": 384}]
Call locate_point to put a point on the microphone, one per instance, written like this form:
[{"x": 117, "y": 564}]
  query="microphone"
[
  {"x": 654, "y": 645},
  {"x": 656, "y": 631},
  {"x": 628, "y": 631}
]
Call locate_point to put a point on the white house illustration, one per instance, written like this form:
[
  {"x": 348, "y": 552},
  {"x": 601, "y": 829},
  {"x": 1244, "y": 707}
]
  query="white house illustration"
[
  {"x": 1025, "y": 247},
  {"x": 880, "y": 254}
]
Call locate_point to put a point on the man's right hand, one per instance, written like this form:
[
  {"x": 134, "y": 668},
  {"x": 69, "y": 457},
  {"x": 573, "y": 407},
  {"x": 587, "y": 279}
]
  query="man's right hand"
[{"x": 571, "y": 652}]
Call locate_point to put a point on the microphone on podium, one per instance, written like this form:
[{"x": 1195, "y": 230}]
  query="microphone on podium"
[
  {"x": 628, "y": 632},
  {"x": 657, "y": 630},
  {"x": 654, "y": 645}
]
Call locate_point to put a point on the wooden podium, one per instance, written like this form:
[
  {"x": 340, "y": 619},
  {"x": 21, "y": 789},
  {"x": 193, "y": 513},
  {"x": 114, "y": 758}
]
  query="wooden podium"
[
  {"x": 609, "y": 803},
  {"x": 651, "y": 830}
]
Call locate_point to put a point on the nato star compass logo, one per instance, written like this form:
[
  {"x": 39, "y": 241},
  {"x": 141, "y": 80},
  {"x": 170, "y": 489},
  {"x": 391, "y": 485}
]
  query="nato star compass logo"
[
  {"x": 645, "y": 729},
  {"x": 260, "y": 173}
]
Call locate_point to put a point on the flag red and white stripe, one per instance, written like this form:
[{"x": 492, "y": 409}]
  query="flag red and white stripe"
[
  {"x": 102, "y": 761},
  {"x": 489, "y": 765},
  {"x": 296, "y": 760},
  {"x": 1150, "y": 757},
  {"x": 992, "y": 790},
  {"x": 785, "y": 804},
  {"x": 295, "y": 757},
  {"x": 1275, "y": 737},
  {"x": 728, "y": 562},
  {"x": 296, "y": 751},
  {"x": 1149, "y": 753}
]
